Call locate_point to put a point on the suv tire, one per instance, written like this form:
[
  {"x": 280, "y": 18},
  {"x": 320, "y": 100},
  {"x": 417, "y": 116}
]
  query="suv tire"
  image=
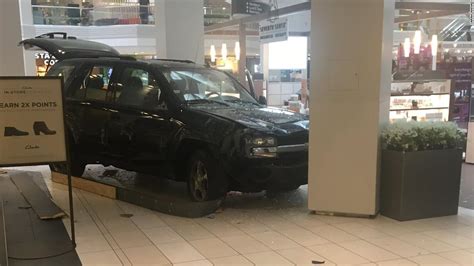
[{"x": 205, "y": 179}]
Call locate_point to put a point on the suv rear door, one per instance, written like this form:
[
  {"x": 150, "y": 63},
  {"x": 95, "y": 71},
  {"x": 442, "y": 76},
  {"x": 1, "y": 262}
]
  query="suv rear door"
[{"x": 90, "y": 102}]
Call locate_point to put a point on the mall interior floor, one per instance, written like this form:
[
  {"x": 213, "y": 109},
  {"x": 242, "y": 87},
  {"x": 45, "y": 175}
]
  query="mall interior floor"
[{"x": 255, "y": 229}]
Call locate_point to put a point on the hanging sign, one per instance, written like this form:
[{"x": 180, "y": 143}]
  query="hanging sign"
[
  {"x": 248, "y": 7},
  {"x": 274, "y": 31},
  {"x": 471, "y": 13},
  {"x": 31, "y": 121}
]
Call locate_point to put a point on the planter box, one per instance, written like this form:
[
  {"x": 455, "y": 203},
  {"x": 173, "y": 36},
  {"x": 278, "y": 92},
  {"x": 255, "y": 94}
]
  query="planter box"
[{"x": 423, "y": 184}]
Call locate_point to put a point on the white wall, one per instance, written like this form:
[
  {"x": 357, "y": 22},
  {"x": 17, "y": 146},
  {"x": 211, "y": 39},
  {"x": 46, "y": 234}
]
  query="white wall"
[{"x": 127, "y": 39}]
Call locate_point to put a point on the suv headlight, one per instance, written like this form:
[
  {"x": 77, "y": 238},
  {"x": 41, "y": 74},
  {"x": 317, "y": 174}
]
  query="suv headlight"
[
  {"x": 263, "y": 147},
  {"x": 265, "y": 141}
]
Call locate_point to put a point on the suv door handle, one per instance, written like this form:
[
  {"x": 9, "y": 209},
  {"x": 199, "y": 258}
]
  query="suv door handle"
[{"x": 85, "y": 103}]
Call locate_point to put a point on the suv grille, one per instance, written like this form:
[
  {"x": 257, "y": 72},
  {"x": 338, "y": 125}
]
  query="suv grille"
[{"x": 300, "y": 137}]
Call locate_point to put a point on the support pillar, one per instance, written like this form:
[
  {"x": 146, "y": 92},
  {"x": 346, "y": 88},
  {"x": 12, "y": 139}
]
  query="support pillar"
[
  {"x": 13, "y": 63},
  {"x": 180, "y": 29},
  {"x": 243, "y": 53},
  {"x": 351, "y": 44}
]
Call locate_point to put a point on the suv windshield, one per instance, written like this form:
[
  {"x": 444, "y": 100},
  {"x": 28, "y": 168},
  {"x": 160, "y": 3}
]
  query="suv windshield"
[{"x": 206, "y": 86}]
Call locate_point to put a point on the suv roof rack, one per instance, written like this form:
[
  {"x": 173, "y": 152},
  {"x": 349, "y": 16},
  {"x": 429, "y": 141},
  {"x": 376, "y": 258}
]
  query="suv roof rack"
[
  {"x": 51, "y": 35},
  {"x": 176, "y": 60}
]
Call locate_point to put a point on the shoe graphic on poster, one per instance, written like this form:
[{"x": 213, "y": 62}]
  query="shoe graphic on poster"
[
  {"x": 13, "y": 132},
  {"x": 41, "y": 127}
]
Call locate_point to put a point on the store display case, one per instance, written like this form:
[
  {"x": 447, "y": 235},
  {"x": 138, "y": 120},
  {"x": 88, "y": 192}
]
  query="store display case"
[{"x": 420, "y": 100}]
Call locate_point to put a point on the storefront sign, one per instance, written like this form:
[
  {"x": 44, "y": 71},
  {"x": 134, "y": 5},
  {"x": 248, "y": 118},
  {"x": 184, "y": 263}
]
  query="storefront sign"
[
  {"x": 46, "y": 58},
  {"x": 248, "y": 7},
  {"x": 274, "y": 31},
  {"x": 31, "y": 121}
]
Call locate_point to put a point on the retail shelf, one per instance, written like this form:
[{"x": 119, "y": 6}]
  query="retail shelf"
[
  {"x": 419, "y": 94},
  {"x": 419, "y": 109}
]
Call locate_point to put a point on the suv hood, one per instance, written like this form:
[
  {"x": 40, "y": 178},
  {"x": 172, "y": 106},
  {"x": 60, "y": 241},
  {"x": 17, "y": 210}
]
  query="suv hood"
[{"x": 262, "y": 119}]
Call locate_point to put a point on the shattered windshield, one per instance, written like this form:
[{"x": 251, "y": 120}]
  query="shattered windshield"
[{"x": 206, "y": 86}]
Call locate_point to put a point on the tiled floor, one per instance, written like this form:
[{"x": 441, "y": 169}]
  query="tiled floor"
[{"x": 256, "y": 230}]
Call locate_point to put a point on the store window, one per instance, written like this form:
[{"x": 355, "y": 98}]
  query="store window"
[
  {"x": 95, "y": 86},
  {"x": 138, "y": 88}
]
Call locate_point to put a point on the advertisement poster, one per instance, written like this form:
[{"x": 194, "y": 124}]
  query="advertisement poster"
[
  {"x": 461, "y": 76},
  {"x": 31, "y": 121}
]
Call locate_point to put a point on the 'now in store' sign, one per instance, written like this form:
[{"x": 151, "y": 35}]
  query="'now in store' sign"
[{"x": 274, "y": 31}]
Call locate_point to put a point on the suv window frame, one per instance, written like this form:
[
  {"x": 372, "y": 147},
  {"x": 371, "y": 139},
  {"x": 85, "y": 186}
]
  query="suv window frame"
[{"x": 122, "y": 66}]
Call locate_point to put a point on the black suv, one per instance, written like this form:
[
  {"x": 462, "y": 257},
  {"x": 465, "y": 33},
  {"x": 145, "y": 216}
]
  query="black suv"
[{"x": 174, "y": 119}]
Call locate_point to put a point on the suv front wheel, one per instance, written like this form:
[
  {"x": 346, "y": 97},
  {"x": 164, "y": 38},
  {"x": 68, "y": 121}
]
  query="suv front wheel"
[{"x": 205, "y": 180}]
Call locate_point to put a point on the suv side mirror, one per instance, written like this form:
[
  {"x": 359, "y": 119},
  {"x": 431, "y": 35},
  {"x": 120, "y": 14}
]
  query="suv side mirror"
[{"x": 262, "y": 100}]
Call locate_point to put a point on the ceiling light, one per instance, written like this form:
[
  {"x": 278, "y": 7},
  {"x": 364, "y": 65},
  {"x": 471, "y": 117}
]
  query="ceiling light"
[
  {"x": 434, "y": 51},
  {"x": 212, "y": 52},
  {"x": 406, "y": 47},
  {"x": 417, "y": 41},
  {"x": 434, "y": 44},
  {"x": 224, "y": 51},
  {"x": 237, "y": 50},
  {"x": 455, "y": 45}
]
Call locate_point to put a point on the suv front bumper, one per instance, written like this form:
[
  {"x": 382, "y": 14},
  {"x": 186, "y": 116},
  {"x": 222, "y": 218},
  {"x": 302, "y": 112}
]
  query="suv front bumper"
[{"x": 287, "y": 171}]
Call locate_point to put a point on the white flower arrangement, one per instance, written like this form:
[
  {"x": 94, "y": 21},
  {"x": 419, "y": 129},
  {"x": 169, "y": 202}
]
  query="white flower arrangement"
[{"x": 420, "y": 136}]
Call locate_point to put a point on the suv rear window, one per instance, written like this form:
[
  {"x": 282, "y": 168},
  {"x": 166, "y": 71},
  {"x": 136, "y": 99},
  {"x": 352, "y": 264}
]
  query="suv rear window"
[
  {"x": 95, "y": 86},
  {"x": 62, "y": 70}
]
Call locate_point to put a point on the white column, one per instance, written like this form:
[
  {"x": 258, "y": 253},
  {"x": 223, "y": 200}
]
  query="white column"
[
  {"x": 10, "y": 35},
  {"x": 350, "y": 91},
  {"x": 180, "y": 29},
  {"x": 243, "y": 53},
  {"x": 470, "y": 143}
]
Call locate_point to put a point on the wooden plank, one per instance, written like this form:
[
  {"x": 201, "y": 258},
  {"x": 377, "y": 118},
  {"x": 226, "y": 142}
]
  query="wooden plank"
[
  {"x": 41, "y": 203},
  {"x": 3, "y": 238},
  {"x": 86, "y": 185}
]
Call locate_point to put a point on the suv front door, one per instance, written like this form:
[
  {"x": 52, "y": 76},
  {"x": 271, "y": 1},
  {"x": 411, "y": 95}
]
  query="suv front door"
[{"x": 140, "y": 127}]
